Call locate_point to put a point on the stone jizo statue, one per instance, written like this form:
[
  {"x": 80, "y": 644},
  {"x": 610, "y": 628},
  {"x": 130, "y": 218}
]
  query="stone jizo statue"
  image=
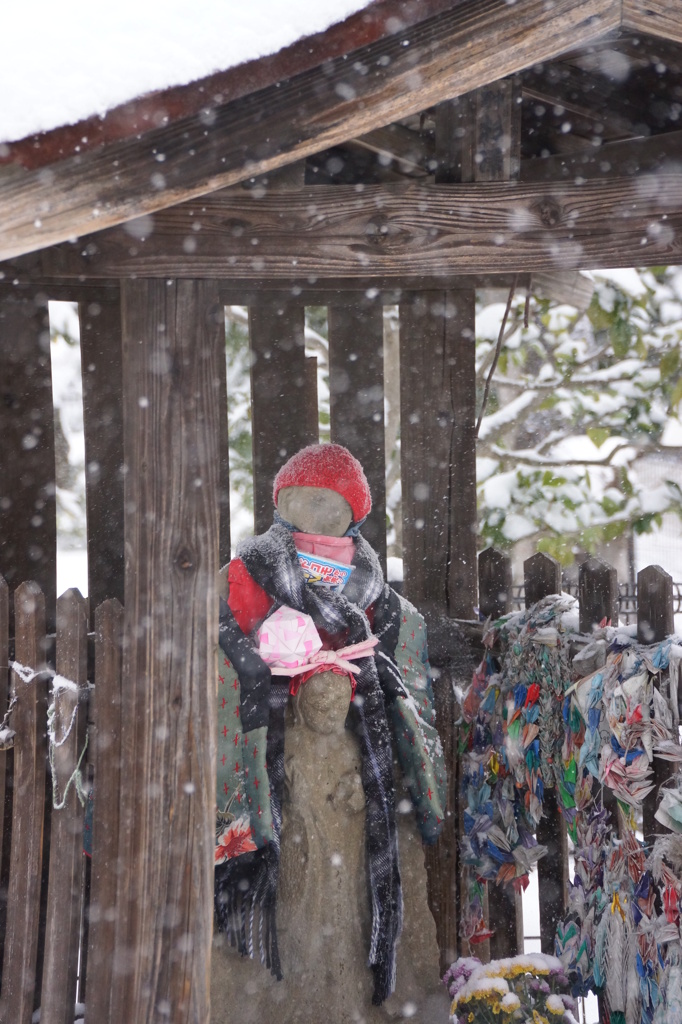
[{"x": 330, "y": 771}]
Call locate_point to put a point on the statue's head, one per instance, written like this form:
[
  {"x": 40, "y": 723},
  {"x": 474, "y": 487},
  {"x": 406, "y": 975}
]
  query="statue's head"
[
  {"x": 322, "y": 702},
  {"x": 322, "y": 489}
]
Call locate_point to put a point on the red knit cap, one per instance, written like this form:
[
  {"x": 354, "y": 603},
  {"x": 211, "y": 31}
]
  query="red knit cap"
[{"x": 331, "y": 466}]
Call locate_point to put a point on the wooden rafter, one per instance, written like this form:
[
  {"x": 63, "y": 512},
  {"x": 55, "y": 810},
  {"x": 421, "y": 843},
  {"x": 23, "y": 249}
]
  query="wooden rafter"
[
  {"x": 654, "y": 17},
  {"x": 443, "y": 56},
  {"x": 390, "y": 232}
]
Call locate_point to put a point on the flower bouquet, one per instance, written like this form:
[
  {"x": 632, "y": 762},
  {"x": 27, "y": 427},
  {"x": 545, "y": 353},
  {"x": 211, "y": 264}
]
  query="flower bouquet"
[{"x": 529, "y": 989}]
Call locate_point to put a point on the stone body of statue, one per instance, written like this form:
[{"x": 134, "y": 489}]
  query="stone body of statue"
[{"x": 318, "y": 880}]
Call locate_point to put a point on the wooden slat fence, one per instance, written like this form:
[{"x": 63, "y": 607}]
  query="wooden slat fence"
[
  {"x": 57, "y": 926},
  {"x": 51, "y": 922}
]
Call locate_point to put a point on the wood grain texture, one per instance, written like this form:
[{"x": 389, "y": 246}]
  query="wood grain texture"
[
  {"x": 279, "y": 397},
  {"x": 356, "y": 400},
  {"x": 439, "y": 508},
  {"x": 398, "y": 231},
  {"x": 552, "y": 869},
  {"x": 629, "y": 158},
  {"x": 101, "y": 363},
  {"x": 4, "y": 754},
  {"x": 661, "y": 18},
  {"x": 165, "y": 854},
  {"x": 28, "y": 518},
  {"x": 62, "y": 932},
  {"x": 494, "y": 583},
  {"x": 542, "y": 577},
  {"x": 107, "y": 710},
  {"x": 655, "y": 618},
  {"x": 444, "y": 56},
  {"x": 598, "y": 593},
  {"x": 26, "y": 861}
]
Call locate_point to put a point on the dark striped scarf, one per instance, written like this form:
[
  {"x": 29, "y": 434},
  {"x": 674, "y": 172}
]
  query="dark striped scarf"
[{"x": 246, "y": 887}]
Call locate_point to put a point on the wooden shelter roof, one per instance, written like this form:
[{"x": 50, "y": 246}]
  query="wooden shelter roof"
[{"x": 599, "y": 93}]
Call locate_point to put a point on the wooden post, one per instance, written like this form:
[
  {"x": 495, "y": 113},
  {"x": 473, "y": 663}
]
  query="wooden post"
[
  {"x": 106, "y": 750},
  {"x": 655, "y": 618},
  {"x": 494, "y": 583},
  {"x": 438, "y": 452},
  {"x": 100, "y": 334},
  {"x": 279, "y": 396},
  {"x": 356, "y": 396},
  {"x": 62, "y": 932},
  {"x": 26, "y": 861},
  {"x": 541, "y": 576},
  {"x": 655, "y": 621},
  {"x": 4, "y": 758},
  {"x": 28, "y": 520},
  {"x": 164, "y": 860},
  {"x": 598, "y": 589}
]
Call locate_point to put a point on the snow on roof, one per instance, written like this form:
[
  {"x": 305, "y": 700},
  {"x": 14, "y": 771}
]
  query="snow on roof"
[{"x": 64, "y": 62}]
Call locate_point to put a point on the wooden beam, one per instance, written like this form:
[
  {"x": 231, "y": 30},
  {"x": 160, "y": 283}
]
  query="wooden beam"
[
  {"x": 654, "y": 17},
  {"x": 396, "y": 232},
  {"x": 628, "y": 159},
  {"x": 250, "y": 291},
  {"x": 588, "y": 96},
  {"x": 411, "y": 150},
  {"x": 171, "y": 336},
  {"x": 356, "y": 398},
  {"x": 443, "y": 56}
]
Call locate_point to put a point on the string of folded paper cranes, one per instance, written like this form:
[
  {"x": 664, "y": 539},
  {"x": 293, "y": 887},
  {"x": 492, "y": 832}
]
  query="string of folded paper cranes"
[{"x": 527, "y": 725}]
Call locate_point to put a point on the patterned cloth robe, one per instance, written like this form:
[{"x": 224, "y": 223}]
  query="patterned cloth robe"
[{"x": 392, "y": 714}]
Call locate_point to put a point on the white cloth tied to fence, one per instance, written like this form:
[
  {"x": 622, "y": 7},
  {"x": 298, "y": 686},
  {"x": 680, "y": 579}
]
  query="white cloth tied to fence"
[{"x": 60, "y": 684}]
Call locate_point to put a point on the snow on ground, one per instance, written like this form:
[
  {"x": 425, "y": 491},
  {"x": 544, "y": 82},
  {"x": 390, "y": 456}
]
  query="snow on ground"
[{"x": 65, "y": 62}]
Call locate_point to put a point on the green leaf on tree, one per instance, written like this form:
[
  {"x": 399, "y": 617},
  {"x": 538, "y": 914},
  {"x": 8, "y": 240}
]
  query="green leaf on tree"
[{"x": 598, "y": 435}]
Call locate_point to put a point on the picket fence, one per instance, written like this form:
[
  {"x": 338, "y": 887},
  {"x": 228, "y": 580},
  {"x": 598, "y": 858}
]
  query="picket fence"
[{"x": 57, "y": 911}]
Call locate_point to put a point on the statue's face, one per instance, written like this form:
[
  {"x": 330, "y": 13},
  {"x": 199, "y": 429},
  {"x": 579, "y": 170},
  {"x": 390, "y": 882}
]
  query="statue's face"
[
  {"x": 322, "y": 702},
  {"x": 315, "y": 510}
]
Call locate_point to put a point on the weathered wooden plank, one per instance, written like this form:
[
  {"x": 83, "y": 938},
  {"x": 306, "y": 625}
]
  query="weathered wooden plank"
[
  {"x": 443, "y": 56},
  {"x": 62, "y": 932},
  {"x": 660, "y": 153},
  {"x": 654, "y": 18},
  {"x": 439, "y": 504},
  {"x": 278, "y": 396},
  {"x": 497, "y": 143},
  {"x": 442, "y": 860},
  {"x": 655, "y": 621},
  {"x": 108, "y": 771},
  {"x": 4, "y": 755},
  {"x": 28, "y": 519},
  {"x": 100, "y": 340},
  {"x": 655, "y": 618},
  {"x": 312, "y": 404},
  {"x": 552, "y": 869},
  {"x": 396, "y": 231},
  {"x": 356, "y": 399},
  {"x": 248, "y": 292},
  {"x": 598, "y": 593},
  {"x": 542, "y": 577},
  {"x": 171, "y": 335},
  {"x": 494, "y": 583},
  {"x": 28, "y": 720},
  {"x": 223, "y": 446}
]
